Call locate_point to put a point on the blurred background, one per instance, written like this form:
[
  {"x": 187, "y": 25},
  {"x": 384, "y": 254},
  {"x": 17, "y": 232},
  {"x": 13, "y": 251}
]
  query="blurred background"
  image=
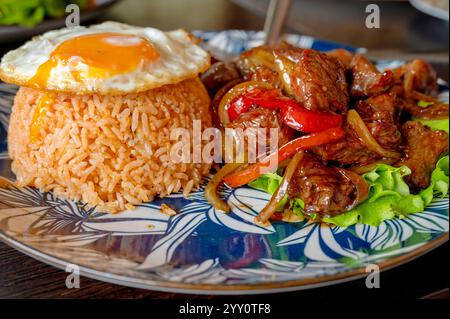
[
  {"x": 406, "y": 26},
  {"x": 402, "y": 25}
]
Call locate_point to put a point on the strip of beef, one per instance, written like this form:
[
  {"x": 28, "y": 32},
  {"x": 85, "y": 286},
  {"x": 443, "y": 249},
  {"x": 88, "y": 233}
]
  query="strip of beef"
[
  {"x": 348, "y": 151},
  {"x": 417, "y": 75},
  {"x": 381, "y": 115},
  {"x": 257, "y": 64},
  {"x": 327, "y": 191},
  {"x": 343, "y": 56},
  {"x": 314, "y": 79},
  {"x": 423, "y": 149},
  {"x": 249, "y": 60},
  {"x": 259, "y": 117},
  {"x": 417, "y": 81},
  {"x": 264, "y": 74},
  {"x": 432, "y": 112},
  {"x": 366, "y": 80},
  {"x": 218, "y": 75}
]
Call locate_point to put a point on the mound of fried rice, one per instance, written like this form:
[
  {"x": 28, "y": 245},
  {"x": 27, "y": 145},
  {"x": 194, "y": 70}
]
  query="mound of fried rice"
[{"x": 107, "y": 151}]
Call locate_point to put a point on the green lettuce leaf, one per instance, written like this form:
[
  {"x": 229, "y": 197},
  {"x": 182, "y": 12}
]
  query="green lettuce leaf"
[
  {"x": 29, "y": 13},
  {"x": 435, "y": 124},
  {"x": 267, "y": 183},
  {"x": 439, "y": 182},
  {"x": 297, "y": 205},
  {"x": 389, "y": 195},
  {"x": 424, "y": 103}
]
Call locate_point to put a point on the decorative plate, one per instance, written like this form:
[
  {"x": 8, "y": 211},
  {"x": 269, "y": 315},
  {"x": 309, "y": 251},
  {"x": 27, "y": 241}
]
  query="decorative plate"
[
  {"x": 200, "y": 250},
  {"x": 435, "y": 8}
]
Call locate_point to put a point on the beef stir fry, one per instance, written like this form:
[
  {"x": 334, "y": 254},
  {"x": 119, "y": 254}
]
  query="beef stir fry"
[
  {"x": 422, "y": 148},
  {"x": 338, "y": 117}
]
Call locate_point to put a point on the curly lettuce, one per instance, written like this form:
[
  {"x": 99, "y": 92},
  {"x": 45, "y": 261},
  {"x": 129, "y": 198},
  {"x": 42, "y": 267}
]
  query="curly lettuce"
[
  {"x": 389, "y": 195},
  {"x": 267, "y": 183}
]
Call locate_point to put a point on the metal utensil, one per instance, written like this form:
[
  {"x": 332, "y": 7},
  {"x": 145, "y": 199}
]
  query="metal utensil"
[{"x": 276, "y": 16}]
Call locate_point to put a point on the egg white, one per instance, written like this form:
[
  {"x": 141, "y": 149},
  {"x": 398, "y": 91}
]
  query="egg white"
[{"x": 180, "y": 59}]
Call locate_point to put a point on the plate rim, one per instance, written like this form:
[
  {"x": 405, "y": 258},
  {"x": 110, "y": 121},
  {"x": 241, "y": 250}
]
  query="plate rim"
[
  {"x": 223, "y": 289},
  {"x": 430, "y": 10}
]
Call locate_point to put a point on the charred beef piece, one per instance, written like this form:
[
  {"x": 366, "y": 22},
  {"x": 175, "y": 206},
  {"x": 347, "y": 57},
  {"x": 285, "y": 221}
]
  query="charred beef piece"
[
  {"x": 417, "y": 75},
  {"x": 218, "y": 75},
  {"x": 343, "y": 56},
  {"x": 348, "y": 151},
  {"x": 381, "y": 115},
  {"x": 432, "y": 112},
  {"x": 265, "y": 74},
  {"x": 249, "y": 60},
  {"x": 327, "y": 191},
  {"x": 415, "y": 81},
  {"x": 257, "y": 64},
  {"x": 259, "y": 117},
  {"x": 423, "y": 149},
  {"x": 366, "y": 80},
  {"x": 314, "y": 79}
]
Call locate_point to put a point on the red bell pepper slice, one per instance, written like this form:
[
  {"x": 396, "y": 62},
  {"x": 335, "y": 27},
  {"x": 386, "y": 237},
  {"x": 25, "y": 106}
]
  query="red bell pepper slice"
[
  {"x": 263, "y": 97},
  {"x": 292, "y": 113},
  {"x": 301, "y": 119},
  {"x": 268, "y": 164}
]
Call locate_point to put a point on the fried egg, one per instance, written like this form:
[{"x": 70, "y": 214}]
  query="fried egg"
[{"x": 108, "y": 58}]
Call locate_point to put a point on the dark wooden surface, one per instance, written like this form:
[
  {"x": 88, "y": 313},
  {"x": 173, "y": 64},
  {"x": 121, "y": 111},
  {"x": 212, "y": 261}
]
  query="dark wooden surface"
[
  {"x": 403, "y": 28},
  {"x": 24, "y": 277}
]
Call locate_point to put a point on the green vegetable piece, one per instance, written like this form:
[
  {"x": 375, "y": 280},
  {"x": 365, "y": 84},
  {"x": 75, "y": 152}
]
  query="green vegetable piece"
[
  {"x": 424, "y": 103},
  {"x": 435, "y": 125},
  {"x": 344, "y": 220}
]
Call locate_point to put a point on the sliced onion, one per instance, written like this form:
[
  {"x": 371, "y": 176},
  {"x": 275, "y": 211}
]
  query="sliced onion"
[
  {"x": 211, "y": 189},
  {"x": 233, "y": 93},
  {"x": 423, "y": 97},
  {"x": 281, "y": 191},
  {"x": 408, "y": 84},
  {"x": 216, "y": 102},
  {"x": 289, "y": 216},
  {"x": 362, "y": 187},
  {"x": 358, "y": 125}
]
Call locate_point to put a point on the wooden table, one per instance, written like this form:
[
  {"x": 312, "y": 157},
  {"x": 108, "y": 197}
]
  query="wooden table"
[{"x": 24, "y": 277}]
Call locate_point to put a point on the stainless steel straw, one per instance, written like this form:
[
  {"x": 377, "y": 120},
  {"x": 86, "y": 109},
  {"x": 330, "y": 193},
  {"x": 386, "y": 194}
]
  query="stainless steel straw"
[{"x": 276, "y": 16}]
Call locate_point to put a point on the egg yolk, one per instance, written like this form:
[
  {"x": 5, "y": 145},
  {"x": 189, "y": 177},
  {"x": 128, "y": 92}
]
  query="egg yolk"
[
  {"x": 104, "y": 54},
  {"x": 43, "y": 103}
]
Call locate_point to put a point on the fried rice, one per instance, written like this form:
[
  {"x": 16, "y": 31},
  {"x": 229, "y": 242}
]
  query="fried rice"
[{"x": 111, "y": 152}]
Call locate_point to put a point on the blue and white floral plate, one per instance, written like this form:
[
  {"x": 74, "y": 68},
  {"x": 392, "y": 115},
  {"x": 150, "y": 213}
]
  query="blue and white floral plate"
[{"x": 200, "y": 250}]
